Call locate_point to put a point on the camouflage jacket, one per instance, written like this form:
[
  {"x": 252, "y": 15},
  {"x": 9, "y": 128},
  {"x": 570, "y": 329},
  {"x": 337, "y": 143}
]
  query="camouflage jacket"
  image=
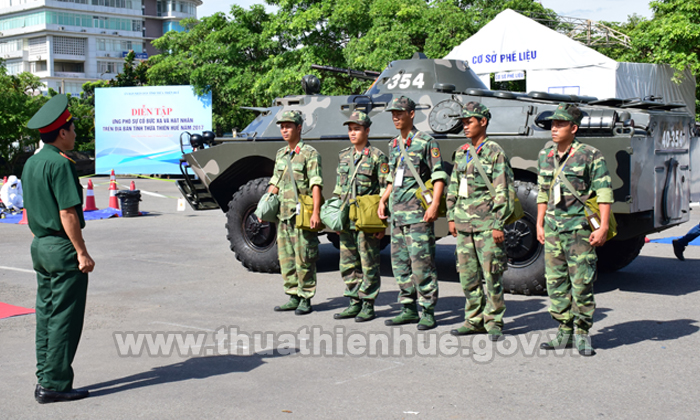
[
  {"x": 371, "y": 175},
  {"x": 587, "y": 172},
  {"x": 480, "y": 211},
  {"x": 306, "y": 168},
  {"x": 424, "y": 153}
]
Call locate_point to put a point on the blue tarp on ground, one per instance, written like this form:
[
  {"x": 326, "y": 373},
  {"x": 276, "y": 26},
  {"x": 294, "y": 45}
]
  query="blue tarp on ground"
[
  {"x": 668, "y": 240},
  {"x": 89, "y": 215}
]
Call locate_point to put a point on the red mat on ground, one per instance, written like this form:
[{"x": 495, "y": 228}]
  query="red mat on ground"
[{"x": 7, "y": 310}]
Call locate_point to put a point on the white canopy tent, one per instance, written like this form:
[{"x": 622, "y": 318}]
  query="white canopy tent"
[{"x": 555, "y": 63}]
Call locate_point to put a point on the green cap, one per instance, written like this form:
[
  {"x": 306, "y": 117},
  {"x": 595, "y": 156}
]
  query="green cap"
[
  {"x": 52, "y": 116},
  {"x": 292, "y": 117},
  {"x": 567, "y": 112},
  {"x": 402, "y": 103},
  {"x": 359, "y": 118},
  {"x": 475, "y": 109}
]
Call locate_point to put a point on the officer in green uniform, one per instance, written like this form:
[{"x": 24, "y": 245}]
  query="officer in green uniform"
[
  {"x": 297, "y": 248},
  {"x": 362, "y": 170},
  {"x": 53, "y": 200},
  {"x": 562, "y": 226},
  {"x": 412, "y": 227},
  {"x": 476, "y": 218}
]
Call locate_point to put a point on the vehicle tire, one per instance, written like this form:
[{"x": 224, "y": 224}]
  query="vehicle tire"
[
  {"x": 254, "y": 243},
  {"x": 525, "y": 274},
  {"x": 615, "y": 255}
]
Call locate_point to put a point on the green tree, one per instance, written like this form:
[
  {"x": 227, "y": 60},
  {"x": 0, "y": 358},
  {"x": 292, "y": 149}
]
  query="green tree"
[
  {"x": 671, "y": 37},
  {"x": 21, "y": 100}
]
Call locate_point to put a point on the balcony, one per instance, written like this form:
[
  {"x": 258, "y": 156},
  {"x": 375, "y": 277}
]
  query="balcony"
[{"x": 69, "y": 75}]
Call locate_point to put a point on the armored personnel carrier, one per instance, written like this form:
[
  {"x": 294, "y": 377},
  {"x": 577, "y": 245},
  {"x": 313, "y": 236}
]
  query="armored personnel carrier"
[{"x": 647, "y": 145}]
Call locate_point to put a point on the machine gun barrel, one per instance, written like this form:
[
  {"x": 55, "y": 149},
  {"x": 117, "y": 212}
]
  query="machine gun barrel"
[{"x": 359, "y": 74}]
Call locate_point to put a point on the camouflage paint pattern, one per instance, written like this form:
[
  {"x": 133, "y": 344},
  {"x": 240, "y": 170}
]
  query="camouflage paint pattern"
[
  {"x": 298, "y": 252},
  {"x": 413, "y": 263},
  {"x": 570, "y": 270},
  {"x": 479, "y": 258},
  {"x": 587, "y": 171},
  {"x": 425, "y": 155},
  {"x": 306, "y": 168},
  {"x": 480, "y": 211},
  {"x": 359, "y": 265},
  {"x": 371, "y": 175}
]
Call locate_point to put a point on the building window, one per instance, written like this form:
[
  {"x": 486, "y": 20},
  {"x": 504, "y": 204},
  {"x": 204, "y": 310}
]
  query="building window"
[
  {"x": 68, "y": 46},
  {"x": 37, "y": 66},
  {"x": 37, "y": 46},
  {"x": 71, "y": 19},
  {"x": 14, "y": 67},
  {"x": 109, "y": 67},
  {"x": 10, "y": 46},
  {"x": 68, "y": 67}
]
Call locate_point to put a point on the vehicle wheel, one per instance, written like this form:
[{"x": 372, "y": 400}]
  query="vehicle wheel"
[
  {"x": 254, "y": 243},
  {"x": 615, "y": 255},
  {"x": 525, "y": 274}
]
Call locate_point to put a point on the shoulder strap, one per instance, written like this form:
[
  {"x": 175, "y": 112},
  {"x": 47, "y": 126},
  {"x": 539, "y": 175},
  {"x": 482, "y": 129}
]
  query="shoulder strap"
[
  {"x": 353, "y": 186},
  {"x": 480, "y": 168},
  {"x": 412, "y": 168},
  {"x": 291, "y": 177},
  {"x": 565, "y": 181}
]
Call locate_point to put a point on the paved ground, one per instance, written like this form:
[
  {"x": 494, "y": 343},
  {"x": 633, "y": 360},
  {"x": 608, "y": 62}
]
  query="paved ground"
[{"x": 173, "y": 272}]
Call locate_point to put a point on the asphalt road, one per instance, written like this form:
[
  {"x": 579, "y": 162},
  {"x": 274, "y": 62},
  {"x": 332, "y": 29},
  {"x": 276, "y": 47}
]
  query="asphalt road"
[{"x": 172, "y": 272}]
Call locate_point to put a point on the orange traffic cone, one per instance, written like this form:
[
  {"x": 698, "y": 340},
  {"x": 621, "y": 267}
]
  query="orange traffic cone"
[
  {"x": 24, "y": 218},
  {"x": 113, "y": 200},
  {"x": 90, "y": 198},
  {"x": 112, "y": 177},
  {"x": 132, "y": 187}
]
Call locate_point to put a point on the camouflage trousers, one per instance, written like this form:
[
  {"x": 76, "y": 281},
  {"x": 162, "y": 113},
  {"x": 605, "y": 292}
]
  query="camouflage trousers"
[
  {"x": 298, "y": 252},
  {"x": 413, "y": 263},
  {"x": 480, "y": 258},
  {"x": 359, "y": 265},
  {"x": 570, "y": 270}
]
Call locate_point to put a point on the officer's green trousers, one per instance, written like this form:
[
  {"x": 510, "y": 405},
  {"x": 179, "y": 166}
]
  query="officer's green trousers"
[{"x": 60, "y": 309}]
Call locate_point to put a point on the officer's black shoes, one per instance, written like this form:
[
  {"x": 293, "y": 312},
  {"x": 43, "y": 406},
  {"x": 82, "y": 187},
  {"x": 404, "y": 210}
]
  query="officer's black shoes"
[
  {"x": 495, "y": 334},
  {"x": 304, "y": 307},
  {"x": 427, "y": 320},
  {"x": 367, "y": 313},
  {"x": 351, "y": 311},
  {"x": 291, "y": 305},
  {"x": 43, "y": 395},
  {"x": 678, "y": 249},
  {"x": 563, "y": 340},
  {"x": 583, "y": 344},
  {"x": 468, "y": 330},
  {"x": 408, "y": 315}
]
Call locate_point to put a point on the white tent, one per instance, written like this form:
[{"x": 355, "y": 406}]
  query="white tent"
[{"x": 555, "y": 63}]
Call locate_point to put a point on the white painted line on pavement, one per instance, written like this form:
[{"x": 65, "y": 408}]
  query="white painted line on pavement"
[
  {"x": 153, "y": 194},
  {"x": 182, "y": 326},
  {"x": 21, "y": 270}
]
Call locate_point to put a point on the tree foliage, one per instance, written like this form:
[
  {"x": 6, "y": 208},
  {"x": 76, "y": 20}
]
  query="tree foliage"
[
  {"x": 249, "y": 57},
  {"x": 21, "y": 100}
]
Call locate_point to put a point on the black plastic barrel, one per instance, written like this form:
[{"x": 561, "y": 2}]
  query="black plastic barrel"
[{"x": 129, "y": 201}]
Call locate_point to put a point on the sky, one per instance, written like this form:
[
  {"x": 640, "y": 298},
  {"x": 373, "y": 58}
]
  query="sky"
[{"x": 607, "y": 10}]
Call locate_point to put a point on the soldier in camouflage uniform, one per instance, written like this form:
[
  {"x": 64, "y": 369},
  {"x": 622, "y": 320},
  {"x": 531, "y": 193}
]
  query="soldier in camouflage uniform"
[
  {"x": 412, "y": 227},
  {"x": 359, "y": 251},
  {"x": 570, "y": 257},
  {"x": 477, "y": 218},
  {"x": 297, "y": 248}
]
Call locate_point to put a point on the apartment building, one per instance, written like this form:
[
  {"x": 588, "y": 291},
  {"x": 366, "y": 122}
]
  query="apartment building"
[{"x": 69, "y": 42}]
